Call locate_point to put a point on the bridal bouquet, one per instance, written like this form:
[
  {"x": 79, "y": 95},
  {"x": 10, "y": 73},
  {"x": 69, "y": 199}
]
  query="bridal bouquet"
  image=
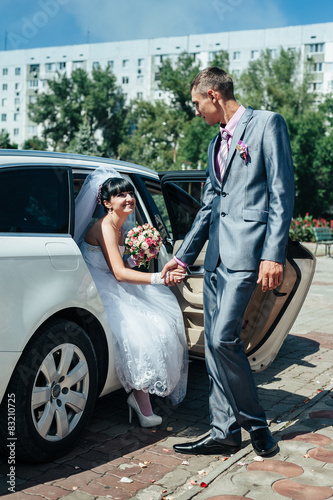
[{"x": 143, "y": 244}]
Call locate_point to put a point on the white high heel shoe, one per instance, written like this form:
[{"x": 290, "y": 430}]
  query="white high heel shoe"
[{"x": 150, "y": 421}]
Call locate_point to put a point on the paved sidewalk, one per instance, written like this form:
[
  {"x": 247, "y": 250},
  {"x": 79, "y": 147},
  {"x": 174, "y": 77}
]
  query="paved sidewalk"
[{"x": 296, "y": 392}]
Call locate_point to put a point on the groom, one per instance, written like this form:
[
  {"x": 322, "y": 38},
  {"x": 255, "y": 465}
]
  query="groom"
[{"x": 246, "y": 213}]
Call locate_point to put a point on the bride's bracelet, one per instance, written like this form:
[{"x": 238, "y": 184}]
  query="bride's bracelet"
[{"x": 156, "y": 279}]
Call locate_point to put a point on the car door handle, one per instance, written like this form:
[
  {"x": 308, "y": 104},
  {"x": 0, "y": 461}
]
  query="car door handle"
[{"x": 195, "y": 270}]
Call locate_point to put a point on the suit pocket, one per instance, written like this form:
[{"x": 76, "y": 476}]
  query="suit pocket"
[{"x": 255, "y": 215}]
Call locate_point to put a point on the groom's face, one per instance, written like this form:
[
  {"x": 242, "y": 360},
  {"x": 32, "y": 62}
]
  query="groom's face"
[{"x": 205, "y": 107}]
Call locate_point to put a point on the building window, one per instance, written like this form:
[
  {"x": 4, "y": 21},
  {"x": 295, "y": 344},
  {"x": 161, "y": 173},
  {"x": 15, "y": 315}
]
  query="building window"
[
  {"x": 273, "y": 53},
  {"x": 317, "y": 67},
  {"x": 236, "y": 55},
  {"x": 33, "y": 83},
  {"x": 17, "y": 71},
  {"x": 96, "y": 65},
  {"x": 254, "y": 54},
  {"x": 5, "y": 71},
  {"x": 3, "y": 117},
  {"x": 17, "y": 101},
  {"x": 32, "y": 130},
  {"x": 16, "y": 131},
  {"x": 16, "y": 117},
  {"x": 17, "y": 86},
  {"x": 32, "y": 99},
  {"x": 139, "y": 80},
  {"x": 316, "y": 47},
  {"x": 4, "y": 101},
  {"x": 111, "y": 64},
  {"x": 49, "y": 66},
  {"x": 77, "y": 64},
  {"x": 125, "y": 80},
  {"x": 34, "y": 68},
  {"x": 140, "y": 62},
  {"x": 139, "y": 95},
  {"x": 4, "y": 86},
  {"x": 157, "y": 77},
  {"x": 125, "y": 63},
  {"x": 62, "y": 65}
]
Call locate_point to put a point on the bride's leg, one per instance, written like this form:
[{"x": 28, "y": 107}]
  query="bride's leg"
[{"x": 143, "y": 401}]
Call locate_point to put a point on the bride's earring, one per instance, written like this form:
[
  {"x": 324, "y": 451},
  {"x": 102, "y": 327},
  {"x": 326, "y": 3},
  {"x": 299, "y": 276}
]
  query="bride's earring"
[{"x": 110, "y": 210}]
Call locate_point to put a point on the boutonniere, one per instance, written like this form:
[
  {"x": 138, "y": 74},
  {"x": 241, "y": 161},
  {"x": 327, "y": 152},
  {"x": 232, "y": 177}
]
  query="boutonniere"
[{"x": 242, "y": 148}]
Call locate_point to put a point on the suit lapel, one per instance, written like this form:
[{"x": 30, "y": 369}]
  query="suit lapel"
[{"x": 239, "y": 131}]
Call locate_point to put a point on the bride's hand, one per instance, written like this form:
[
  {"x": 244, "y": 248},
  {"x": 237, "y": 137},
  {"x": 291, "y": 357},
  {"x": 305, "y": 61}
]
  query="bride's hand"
[{"x": 176, "y": 276}]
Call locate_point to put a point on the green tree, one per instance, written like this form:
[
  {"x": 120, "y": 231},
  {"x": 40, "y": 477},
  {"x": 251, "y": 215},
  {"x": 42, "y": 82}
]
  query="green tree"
[
  {"x": 35, "y": 143},
  {"x": 153, "y": 134},
  {"x": 274, "y": 83},
  {"x": 63, "y": 109},
  {"x": 221, "y": 60},
  {"x": 5, "y": 141},
  {"x": 176, "y": 78},
  {"x": 84, "y": 142}
]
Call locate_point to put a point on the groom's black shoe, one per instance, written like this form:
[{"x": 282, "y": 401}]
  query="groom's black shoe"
[
  {"x": 206, "y": 446},
  {"x": 263, "y": 442}
]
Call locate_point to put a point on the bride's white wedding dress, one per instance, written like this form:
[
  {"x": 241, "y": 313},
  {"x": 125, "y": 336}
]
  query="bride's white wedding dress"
[{"x": 148, "y": 331}]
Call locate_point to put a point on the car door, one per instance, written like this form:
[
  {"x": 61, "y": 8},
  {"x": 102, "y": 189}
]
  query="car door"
[{"x": 269, "y": 316}]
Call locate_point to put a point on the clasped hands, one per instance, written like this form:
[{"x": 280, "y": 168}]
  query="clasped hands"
[{"x": 173, "y": 273}]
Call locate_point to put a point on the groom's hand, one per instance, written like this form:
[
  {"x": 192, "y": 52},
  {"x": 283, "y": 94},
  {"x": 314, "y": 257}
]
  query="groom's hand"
[
  {"x": 169, "y": 266},
  {"x": 270, "y": 274}
]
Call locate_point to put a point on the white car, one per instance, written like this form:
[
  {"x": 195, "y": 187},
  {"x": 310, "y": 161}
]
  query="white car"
[{"x": 56, "y": 349}]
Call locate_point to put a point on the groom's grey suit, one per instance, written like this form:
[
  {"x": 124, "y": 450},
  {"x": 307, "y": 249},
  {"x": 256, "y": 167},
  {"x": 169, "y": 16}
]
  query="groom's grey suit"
[{"x": 246, "y": 219}]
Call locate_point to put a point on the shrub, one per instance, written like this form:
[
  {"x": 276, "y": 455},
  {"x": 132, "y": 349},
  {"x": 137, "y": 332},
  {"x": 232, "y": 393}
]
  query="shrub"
[{"x": 301, "y": 228}]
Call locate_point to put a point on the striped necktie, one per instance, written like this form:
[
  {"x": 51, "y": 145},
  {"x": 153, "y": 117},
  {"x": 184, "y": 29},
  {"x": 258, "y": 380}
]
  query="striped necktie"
[{"x": 222, "y": 154}]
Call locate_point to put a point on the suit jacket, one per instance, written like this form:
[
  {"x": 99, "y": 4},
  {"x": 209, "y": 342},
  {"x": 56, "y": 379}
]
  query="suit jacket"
[{"x": 247, "y": 218}]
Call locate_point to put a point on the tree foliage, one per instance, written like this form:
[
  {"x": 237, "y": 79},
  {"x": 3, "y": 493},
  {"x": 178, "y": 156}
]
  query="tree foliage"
[
  {"x": 70, "y": 101},
  {"x": 176, "y": 78},
  {"x": 5, "y": 141},
  {"x": 153, "y": 133},
  {"x": 274, "y": 83}
]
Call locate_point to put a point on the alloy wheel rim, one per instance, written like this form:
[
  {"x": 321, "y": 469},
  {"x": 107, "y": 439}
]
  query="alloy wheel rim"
[{"x": 60, "y": 392}]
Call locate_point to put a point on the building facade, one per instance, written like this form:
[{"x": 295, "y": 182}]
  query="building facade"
[{"x": 24, "y": 73}]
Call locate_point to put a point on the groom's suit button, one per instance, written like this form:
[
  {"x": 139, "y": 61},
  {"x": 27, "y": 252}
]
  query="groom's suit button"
[{"x": 223, "y": 214}]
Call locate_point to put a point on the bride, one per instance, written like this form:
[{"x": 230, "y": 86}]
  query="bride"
[{"x": 146, "y": 321}]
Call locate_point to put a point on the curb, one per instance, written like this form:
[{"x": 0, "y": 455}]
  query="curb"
[{"x": 219, "y": 469}]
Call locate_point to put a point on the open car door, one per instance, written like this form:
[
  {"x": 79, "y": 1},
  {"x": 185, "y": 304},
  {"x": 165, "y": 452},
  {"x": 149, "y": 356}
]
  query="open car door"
[{"x": 270, "y": 315}]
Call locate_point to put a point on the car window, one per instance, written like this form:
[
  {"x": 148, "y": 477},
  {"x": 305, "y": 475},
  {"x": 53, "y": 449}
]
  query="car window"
[
  {"x": 183, "y": 199},
  {"x": 34, "y": 200}
]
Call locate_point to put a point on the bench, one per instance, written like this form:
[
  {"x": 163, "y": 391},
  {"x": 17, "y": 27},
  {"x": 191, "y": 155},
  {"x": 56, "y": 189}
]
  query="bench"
[{"x": 323, "y": 236}]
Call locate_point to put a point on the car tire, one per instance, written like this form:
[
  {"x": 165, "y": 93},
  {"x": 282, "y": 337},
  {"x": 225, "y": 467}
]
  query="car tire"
[{"x": 53, "y": 390}]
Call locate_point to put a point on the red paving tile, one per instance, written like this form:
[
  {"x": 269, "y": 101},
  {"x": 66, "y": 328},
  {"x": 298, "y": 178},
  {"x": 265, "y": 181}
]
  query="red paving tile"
[
  {"x": 325, "y": 340},
  {"x": 321, "y": 454},
  {"x": 297, "y": 491},
  {"x": 228, "y": 497},
  {"x": 309, "y": 437},
  {"x": 76, "y": 480},
  {"x": 279, "y": 466},
  {"x": 46, "y": 491}
]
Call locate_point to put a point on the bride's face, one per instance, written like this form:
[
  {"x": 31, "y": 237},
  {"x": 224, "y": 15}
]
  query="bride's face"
[{"x": 123, "y": 203}]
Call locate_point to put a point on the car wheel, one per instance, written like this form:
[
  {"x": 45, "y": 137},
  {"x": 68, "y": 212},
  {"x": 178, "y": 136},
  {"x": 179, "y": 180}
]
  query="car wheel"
[{"x": 54, "y": 387}]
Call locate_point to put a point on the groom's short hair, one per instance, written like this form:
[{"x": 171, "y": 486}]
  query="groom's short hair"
[{"x": 213, "y": 78}]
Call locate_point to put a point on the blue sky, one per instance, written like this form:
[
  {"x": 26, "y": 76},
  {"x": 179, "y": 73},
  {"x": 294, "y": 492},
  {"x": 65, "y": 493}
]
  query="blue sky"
[{"x": 42, "y": 23}]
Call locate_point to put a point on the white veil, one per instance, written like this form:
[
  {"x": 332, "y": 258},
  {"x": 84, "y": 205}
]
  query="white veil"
[{"x": 86, "y": 201}]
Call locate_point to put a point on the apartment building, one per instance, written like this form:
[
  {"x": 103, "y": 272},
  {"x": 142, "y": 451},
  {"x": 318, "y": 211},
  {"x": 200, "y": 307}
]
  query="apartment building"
[{"x": 24, "y": 73}]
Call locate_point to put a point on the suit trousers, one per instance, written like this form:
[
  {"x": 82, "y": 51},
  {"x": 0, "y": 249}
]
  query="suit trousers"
[{"x": 233, "y": 399}]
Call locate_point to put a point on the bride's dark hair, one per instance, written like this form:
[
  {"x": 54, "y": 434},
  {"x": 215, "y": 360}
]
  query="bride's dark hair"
[{"x": 113, "y": 186}]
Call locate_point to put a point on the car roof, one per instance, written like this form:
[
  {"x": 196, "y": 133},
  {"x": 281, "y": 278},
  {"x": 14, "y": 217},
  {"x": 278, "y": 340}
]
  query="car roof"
[{"x": 12, "y": 157}]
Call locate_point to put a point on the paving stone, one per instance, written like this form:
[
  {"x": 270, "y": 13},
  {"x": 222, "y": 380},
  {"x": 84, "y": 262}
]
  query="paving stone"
[
  {"x": 322, "y": 454},
  {"x": 291, "y": 489},
  {"x": 47, "y": 491},
  {"x": 78, "y": 495},
  {"x": 76, "y": 480},
  {"x": 277, "y": 466}
]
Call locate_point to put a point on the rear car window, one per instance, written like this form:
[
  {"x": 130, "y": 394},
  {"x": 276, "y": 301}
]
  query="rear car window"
[{"x": 34, "y": 200}]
